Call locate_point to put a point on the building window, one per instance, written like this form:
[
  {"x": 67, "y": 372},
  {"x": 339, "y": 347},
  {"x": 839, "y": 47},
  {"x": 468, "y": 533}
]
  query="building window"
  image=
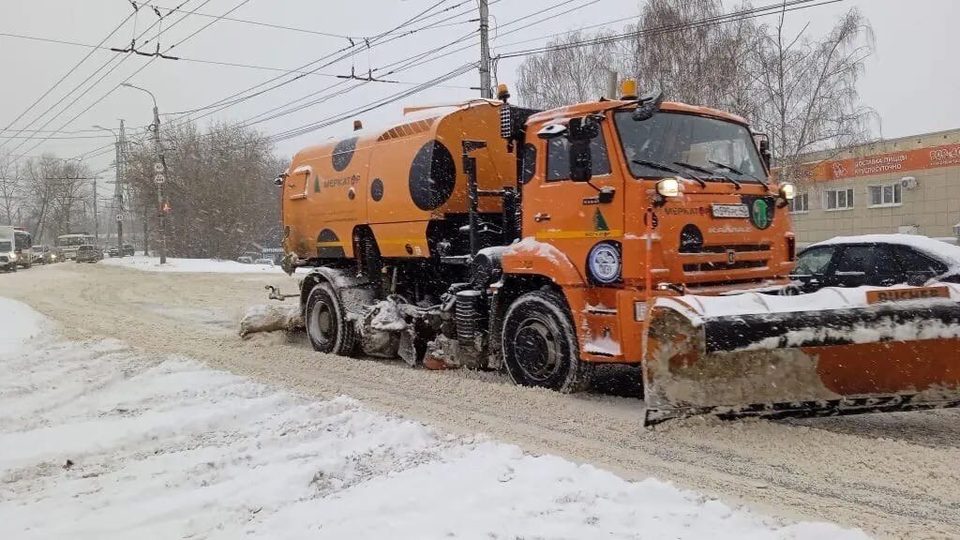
[
  {"x": 885, "y": 195},
  {"x": 838, "y": 199},
  {"x": 800, "y": 204}
]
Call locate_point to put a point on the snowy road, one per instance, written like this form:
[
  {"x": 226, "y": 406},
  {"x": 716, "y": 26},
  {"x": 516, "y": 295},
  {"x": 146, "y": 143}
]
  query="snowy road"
[{"x": 892, "y": 475}]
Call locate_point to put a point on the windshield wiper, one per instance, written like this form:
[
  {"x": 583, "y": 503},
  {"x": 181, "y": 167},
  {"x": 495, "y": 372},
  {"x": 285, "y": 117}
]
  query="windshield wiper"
[
  {"x": 664, "y": 167},
  {"x": 698, "y": 169},
  {"x": 741, "y": 173}
]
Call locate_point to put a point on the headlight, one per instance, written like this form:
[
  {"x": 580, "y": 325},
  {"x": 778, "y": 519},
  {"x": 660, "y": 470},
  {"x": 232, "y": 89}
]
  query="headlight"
[
  {"x": 788, "y": 191},
  {"x": 13, "y": 256},
  {"x": 669, "y": 187}
]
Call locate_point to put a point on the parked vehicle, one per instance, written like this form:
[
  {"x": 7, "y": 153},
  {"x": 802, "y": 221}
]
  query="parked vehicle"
[
  {"x": 245, "y": 259},
  {"x": 8, "y": 256},
  {"x": 264, "y": 261},
  {"x": 68, "y": 243},
  {"x": 630, "y": 231},
  {"x": 23, "y": 247},
  {"x": 879, "y": 260},
  {"x": 88, "y": 253}
]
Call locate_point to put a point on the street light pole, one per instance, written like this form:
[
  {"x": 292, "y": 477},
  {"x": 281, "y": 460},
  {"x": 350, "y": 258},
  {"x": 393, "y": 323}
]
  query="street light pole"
[
  {"x": 160, "y": 169},
  {"x": 118, "y": 187}
]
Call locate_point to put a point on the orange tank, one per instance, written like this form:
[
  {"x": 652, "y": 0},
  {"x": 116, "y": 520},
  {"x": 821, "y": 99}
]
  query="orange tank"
[{"x": 395, "y": 180}]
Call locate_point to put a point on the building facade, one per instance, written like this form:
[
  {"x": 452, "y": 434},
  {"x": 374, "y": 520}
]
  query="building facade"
[{"x": 909, "y": 185}]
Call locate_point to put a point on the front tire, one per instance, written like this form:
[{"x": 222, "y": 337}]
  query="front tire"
[
  {"x": 540, "y": 344},
  {"x": 328, "y": 327}
]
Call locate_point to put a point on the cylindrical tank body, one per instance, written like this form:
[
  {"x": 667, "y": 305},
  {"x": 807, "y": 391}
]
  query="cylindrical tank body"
[{"x": 394, "y": 180}]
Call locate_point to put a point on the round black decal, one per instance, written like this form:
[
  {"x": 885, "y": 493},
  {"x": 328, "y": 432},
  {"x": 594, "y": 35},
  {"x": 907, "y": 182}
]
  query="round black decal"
[
  {"x": 691, "y": 239},
  {"x": 433, "y": 175},
  {"x": 343, "y": 153},
  {"x": 376, "y": 189}
]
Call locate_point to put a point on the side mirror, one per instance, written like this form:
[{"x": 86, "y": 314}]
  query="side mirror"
[
  {"x": 918, "y": 279},
  {"x": 647, "y": 106},
  {"x": 765, "y": 151}
]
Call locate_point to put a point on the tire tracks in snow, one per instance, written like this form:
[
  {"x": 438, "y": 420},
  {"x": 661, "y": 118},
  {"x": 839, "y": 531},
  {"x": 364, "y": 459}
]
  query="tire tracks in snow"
[{"x": 893, "y": 475}]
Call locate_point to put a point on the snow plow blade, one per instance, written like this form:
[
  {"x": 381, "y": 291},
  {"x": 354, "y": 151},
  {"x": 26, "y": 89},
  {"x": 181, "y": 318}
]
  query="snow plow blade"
[{"x": 833, "y": 352}]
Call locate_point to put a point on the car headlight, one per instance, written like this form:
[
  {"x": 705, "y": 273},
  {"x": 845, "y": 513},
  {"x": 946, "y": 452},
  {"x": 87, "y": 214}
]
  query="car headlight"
[
  {"x": 669, "y": 187},
  {"x": 788, "y": 191},
  {"x": 13, "y": 256}
]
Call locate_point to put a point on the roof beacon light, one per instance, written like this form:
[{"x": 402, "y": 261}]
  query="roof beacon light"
[
  {"x": 503, "y": 94},
  {"x": 628, "y": 89}
]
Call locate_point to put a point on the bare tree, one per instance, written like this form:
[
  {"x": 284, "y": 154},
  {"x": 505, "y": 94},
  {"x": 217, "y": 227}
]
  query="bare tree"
[
  {"x": 218, "y": 186},
  {"x": 689, "y": 62},
  {"x": 800, "y": 89},
  {"x": 11, "y": 182},
  {"x": 565, "y": 75},
  {"x": 808, "y": 89}
]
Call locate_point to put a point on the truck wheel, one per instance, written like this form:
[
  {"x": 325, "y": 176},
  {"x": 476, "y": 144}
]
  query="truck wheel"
[
  {"x": 328, "y": 328},
  {"x": 540, "y": 344}
]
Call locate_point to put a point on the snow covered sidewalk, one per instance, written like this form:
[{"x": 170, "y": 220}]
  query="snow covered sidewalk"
[
  {"x": 152, "y": 264},
  {"x": 99, "y": 441}
]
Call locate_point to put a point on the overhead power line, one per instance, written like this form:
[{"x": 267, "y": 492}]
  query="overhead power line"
[
  {"x": 95, "y": 83},
  {"x": 64, "y": 77},
  {"x": 734, "y": 16},
  {"x": 150, "y": 61}
]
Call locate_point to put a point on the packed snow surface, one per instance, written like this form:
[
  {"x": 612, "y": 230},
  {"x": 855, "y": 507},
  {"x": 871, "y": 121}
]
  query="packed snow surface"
[
  {"x": 152, "y": 264},
  {"x": 99, "y": 441}
]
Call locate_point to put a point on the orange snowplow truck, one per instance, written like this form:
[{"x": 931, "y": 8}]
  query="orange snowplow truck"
[{"x": 627, "y": 231}]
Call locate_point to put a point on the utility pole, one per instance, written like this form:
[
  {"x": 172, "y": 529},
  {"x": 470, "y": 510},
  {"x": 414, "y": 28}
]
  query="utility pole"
[
  {"x": 486, "y": 87},
  {"x": 96, "y": 214},
  {"x": 159, "y": 177},
  {"x": 118, "y": 186}
]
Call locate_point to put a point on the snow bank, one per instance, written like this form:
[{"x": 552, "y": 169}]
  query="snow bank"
[
  {"x": 271, "y": 318},
  {"x": 152, "y": 264},
  {"x": 98, "y": 441},
  {"x": 18, "y": 325}
]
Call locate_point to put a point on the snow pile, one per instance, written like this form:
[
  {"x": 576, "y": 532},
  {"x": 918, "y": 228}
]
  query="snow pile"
[
  {"x": 271, "y": 318},
  {"x": 18, "y": 325},
  {"x": 99, "y": 442},
  {"x": 828, "y": 298},
  {"x": 152, "y": 264}
]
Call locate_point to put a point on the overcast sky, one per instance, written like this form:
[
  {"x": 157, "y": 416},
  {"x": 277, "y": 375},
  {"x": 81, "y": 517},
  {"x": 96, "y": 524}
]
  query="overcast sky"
[{"x": 911, "y": 80}]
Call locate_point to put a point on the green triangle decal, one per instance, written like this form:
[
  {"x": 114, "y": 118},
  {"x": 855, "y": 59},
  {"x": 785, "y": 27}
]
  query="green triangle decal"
[{"x": 599, "y": 223}]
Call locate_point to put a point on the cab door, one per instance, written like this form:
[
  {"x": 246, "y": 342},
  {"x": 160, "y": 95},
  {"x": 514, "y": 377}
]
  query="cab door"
[{"x": 572, "y": 215}]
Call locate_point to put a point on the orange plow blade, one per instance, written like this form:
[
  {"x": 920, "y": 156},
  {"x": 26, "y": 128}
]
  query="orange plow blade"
[{"x": 836, "y": 351}]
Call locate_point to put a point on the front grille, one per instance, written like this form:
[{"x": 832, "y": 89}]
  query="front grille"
[
  {"x": 739, "y": 248},
  {"x": 713, "y": 267}
]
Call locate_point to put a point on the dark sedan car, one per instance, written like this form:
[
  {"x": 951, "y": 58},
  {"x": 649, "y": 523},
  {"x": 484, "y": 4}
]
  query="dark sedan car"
[
  {"x": 89, "y": 253},
  {"x": 878, "y": 260}
]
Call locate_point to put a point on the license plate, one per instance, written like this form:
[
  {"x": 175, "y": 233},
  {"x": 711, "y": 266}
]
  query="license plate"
[
  {"x": 730, "y": 211},
  {"x": 906, "y": 295}
]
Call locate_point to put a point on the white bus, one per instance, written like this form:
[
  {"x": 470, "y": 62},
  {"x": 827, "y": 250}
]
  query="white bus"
[{"x": 68, "y": 243}]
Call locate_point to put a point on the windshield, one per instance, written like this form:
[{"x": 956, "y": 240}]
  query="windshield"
[
  {"x": 73, "y": 240},
  {"x": 706, "y": 143}
]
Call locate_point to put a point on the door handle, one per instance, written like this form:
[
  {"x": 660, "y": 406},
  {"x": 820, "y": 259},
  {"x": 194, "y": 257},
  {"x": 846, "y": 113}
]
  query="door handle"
[{"x": 540, "y": 216}]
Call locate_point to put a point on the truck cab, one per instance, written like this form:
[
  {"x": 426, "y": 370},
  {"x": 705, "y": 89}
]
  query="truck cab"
[{"x": 671, "y": 203}]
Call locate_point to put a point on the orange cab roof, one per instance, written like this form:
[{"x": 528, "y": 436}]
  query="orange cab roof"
[{"x": 581, "y": 109}]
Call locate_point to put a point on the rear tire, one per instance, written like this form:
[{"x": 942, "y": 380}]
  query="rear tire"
[
  {"x": 540, "y": 344},
  {"x": 325, "y": 318}
]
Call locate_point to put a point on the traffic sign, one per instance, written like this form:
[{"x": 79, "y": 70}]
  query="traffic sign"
[
  {"x": 159, "y": 178},
  {"x": 119, "y": 217},
  {"x": 158, "y": 167}
]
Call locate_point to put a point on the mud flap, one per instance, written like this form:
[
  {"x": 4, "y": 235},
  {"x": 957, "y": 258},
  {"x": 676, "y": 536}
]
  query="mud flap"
[{"x": 773, "y": 363}]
